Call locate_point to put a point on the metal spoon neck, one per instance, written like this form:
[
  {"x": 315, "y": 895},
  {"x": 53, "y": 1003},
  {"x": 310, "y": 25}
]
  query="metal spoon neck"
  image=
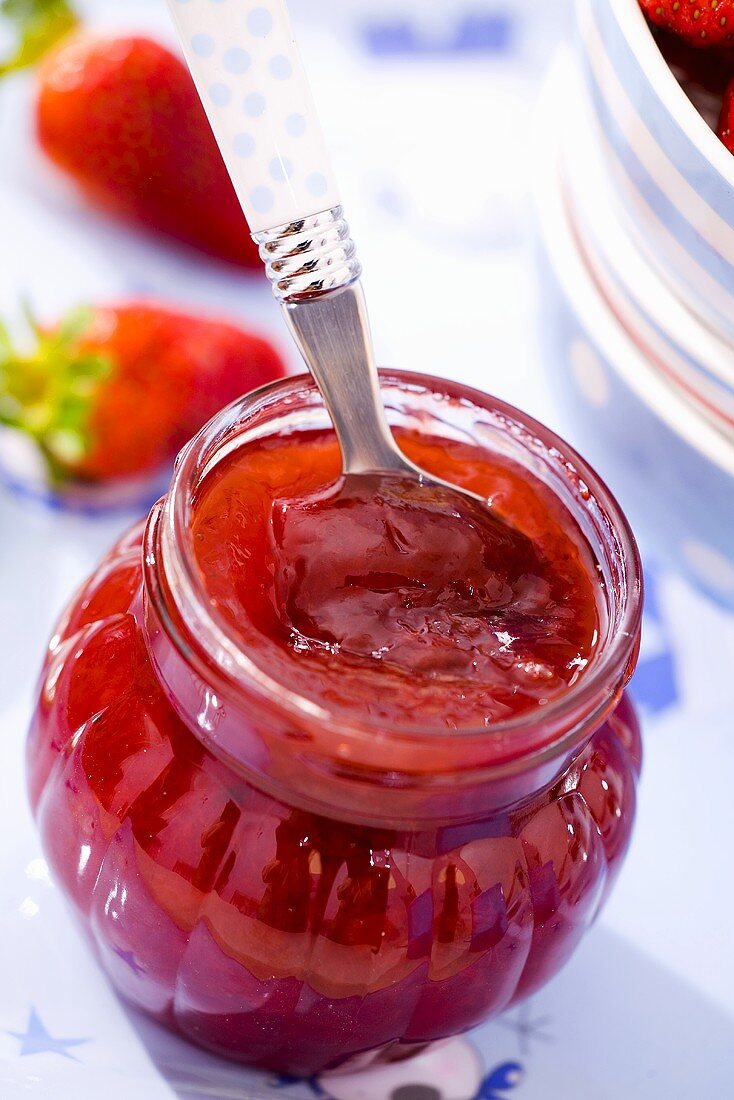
[{"x": 314, "y": 271}]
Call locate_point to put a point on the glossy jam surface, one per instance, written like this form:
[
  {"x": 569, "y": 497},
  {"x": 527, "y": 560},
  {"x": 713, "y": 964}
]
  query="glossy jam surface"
[
  {"x": 405, "y": 604},
  {"x": 284, "y": 938}
]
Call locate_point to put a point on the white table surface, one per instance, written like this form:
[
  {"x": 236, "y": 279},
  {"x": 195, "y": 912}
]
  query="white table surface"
[{"x": 647, "y": 1007}]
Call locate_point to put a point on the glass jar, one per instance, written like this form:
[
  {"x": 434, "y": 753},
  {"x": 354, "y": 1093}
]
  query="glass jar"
[{"x": 294, "y": 889}]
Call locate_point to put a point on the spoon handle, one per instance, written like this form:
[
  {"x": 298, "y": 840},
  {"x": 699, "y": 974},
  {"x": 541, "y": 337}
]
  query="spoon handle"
[
  {"x": 249, "y": 74},
  {"x": 251, "y": 80},
  {"x": 332, "y": 333}
]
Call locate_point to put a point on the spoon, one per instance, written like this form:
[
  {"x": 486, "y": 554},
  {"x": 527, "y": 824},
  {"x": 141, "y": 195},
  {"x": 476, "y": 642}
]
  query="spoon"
[{"x": 247, "y": 69}]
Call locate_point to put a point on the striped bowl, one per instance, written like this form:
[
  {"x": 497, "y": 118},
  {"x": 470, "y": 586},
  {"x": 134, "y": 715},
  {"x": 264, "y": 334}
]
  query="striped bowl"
[
  {"x": 670, "y": 464},
  {"x": 673, "y": 179},
  {"x": 694, "y": 358}
]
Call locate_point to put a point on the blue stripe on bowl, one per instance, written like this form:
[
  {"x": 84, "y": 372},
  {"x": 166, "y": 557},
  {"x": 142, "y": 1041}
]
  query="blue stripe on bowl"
[
  {"x": 697, "y": 367},
  {"x": 692, "y": 164},
  {"x": 661, "y": 206}
]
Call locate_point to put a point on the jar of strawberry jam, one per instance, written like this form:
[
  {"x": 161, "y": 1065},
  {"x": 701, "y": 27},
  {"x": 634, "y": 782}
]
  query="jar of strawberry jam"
[{"x": 322, "y": 777}]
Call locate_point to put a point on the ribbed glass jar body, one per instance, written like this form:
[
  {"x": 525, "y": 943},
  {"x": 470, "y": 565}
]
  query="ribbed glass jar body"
[{"x": 281, "y": 899}]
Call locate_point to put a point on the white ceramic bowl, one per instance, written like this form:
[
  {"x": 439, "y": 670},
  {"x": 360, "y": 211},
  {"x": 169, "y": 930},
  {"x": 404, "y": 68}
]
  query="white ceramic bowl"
[
  {"x": 673, "y": 178},
  {"x": 670, "y": 466}
]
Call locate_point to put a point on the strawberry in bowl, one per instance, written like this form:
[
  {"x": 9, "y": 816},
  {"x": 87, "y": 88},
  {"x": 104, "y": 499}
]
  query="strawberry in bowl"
[
  {"x": 700, "y": 22},
  {"x": 696, "y": 37}
]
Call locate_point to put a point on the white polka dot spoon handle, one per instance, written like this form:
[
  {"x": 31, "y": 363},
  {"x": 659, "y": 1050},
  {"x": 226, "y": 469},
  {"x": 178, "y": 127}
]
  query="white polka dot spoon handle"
[{"x": 251, "y": 80}]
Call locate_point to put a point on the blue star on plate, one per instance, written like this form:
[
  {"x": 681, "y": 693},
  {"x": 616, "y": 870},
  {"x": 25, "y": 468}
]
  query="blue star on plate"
[
  {"x": 529, "y": 1030},
  {"x": 37, "y": 1040}
]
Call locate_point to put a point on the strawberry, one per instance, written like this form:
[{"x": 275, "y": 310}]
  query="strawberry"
[
  {"x": 121, "y": 116},
  {"x": 700, "y": 22},
  {"x": 116, "y": 391},
  {"x": 725, "y": 129}
]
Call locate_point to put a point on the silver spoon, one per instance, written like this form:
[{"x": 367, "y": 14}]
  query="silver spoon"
[{"x": 252, "y": 83}]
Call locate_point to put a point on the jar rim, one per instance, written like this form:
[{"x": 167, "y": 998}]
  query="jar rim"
[{"x": 588, "y": 700}]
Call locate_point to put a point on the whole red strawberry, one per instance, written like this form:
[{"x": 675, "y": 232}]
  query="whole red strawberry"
[
  {"x": 116, "y": 391},
  {"x": 122, "y": 117},
  {"x": 700, "y": 22}
]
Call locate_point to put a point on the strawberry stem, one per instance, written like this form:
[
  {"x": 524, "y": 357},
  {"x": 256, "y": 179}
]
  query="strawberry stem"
[
  {"x": 40, "y": 25},
  {"x": 48, "y": 393}
]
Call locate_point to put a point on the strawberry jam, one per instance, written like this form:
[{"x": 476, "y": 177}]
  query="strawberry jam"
[
  {"x": 325, "y": 770},
  {"x": 394, "y": 601}
]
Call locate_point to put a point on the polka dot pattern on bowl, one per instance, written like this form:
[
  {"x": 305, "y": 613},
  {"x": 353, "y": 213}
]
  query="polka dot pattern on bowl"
[{"x": 248, "y": 72}]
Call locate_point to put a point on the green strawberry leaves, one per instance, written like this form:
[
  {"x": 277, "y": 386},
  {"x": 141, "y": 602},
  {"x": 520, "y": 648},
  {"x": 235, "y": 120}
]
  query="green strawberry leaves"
[
  {"x": 48, "y": 394},
  {"x": 40, "y": 25}
]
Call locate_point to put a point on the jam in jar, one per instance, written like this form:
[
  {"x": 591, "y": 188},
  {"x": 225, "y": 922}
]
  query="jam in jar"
[{"x": 325, "y": 770}]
